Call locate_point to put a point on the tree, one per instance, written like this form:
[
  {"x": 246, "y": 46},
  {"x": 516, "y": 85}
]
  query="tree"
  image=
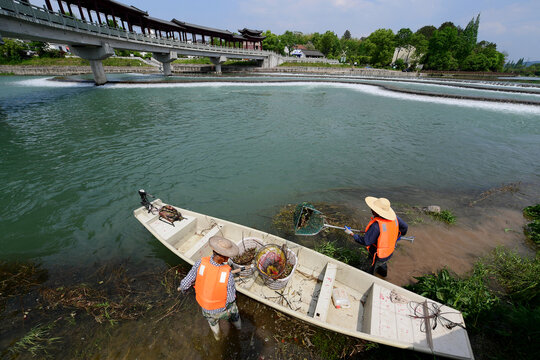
[
  {"x": 273, "y": 43},
  {"x": 346, "y": 35},
  {"x": 404, "y": 37},
  {"x": 467, "y": 39},
  {"x": 447, "y": 24},
  {"x": 12, "y": 51},
  {"x": 427, "y": 31},
  {"x": 441, "y": 50},
  {"x": 329, "y": 44},
  {"x": 380, "y": 47}
]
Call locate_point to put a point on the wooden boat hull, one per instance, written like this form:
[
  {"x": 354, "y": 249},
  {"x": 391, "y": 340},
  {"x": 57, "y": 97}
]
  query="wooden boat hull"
[{"x": 379, "y": 311}]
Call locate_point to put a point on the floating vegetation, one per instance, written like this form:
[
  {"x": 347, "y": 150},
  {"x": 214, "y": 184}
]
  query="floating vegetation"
[
  {"x": 508, "y": 188},
  {"x": 116, "y": 297},
  {"x": 18, "y": 279},
  {"x": 37, "y": 341},
  {"x": 284, "y": 223}
]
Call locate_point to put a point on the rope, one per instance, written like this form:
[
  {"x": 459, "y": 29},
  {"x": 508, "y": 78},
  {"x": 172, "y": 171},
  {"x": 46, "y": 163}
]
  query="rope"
[{"x": 433, "y": 312}]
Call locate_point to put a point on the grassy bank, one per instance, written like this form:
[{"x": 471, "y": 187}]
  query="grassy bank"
[{"x": 314, "y": 64}]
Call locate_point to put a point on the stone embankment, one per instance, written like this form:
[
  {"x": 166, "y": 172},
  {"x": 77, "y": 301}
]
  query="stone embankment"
[{"x": 341, "y": 71}]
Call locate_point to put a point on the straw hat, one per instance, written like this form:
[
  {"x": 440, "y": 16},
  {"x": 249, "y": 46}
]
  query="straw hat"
[
  {"x": 381, "y": 206},
  {"x": 223, "y": 246}
]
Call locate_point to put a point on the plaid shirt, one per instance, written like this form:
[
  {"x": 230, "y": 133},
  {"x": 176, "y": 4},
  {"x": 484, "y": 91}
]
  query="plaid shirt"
[{"x": 189, "y": 280}]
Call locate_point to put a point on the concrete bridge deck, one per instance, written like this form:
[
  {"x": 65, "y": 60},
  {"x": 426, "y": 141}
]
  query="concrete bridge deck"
[{"x": 96, "y": 42}]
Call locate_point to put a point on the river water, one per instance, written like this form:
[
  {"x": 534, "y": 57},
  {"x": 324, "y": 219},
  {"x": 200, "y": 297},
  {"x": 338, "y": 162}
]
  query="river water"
[{"x": 72, "y": 157}]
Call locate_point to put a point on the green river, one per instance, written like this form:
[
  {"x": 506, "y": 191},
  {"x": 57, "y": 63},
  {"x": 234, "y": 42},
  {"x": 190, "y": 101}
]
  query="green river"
[{"x": 73, "y": 156}]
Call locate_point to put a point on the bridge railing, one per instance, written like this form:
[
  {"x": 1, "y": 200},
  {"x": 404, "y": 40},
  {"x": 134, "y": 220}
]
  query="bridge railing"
[{"x": 35, "y": 14}]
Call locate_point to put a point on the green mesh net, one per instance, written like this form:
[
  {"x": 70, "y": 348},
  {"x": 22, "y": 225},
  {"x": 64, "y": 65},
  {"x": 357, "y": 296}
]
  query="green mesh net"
[{"x": 307, "y": 219}]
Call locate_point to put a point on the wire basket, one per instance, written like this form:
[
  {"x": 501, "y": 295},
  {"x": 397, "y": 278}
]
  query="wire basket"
[
  {"x": 272, "y": 263},
  {"x": 246, "y": 244}
]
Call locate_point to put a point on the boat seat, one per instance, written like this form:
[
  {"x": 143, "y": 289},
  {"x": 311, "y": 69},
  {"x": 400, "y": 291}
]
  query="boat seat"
[
  {"x": 325, "y": 295},
  {"x": 196, "y": 251}
]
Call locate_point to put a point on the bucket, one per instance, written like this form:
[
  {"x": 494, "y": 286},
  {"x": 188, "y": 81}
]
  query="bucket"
[
  {"x": 243, "y": 246},
  {"x": 272, "y": 255}
]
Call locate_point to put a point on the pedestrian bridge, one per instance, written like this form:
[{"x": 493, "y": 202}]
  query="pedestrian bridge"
[{"x": 96, "y": 42}]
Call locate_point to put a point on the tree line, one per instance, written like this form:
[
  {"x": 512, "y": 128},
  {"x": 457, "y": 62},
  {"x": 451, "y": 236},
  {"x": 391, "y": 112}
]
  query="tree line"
[{"x": 448, "y": 47}]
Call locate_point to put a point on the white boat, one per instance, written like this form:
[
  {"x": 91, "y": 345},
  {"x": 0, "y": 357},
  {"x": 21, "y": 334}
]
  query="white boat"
[{"x": 379, "y": 311}]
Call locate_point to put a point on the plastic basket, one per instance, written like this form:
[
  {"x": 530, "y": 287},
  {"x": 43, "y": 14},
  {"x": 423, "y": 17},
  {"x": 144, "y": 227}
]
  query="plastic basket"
[
  {"x": 244, "y": 245},
  {"x": 272, "y": 283}
]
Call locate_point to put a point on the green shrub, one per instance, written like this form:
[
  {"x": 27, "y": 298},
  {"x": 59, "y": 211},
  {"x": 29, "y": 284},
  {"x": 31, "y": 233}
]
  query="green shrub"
[
  {"x": 532, "y": 212},
  {"x": 471, "y": 295}
]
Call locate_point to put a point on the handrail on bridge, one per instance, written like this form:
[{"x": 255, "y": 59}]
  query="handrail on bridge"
[{"x": 32, "y": 13}]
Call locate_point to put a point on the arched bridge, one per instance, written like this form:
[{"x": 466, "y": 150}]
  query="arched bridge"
[{"x": 97, "y": 41}]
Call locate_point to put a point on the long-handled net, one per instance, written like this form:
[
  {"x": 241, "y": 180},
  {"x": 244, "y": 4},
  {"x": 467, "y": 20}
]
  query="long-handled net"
[{"x": 310, "y": 221}]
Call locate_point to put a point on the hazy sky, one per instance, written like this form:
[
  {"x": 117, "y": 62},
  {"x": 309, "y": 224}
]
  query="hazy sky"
[{"x": 514, "y": 25}]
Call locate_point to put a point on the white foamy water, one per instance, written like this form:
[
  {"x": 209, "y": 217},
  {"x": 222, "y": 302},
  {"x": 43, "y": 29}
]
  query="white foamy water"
[
  {"x": 49, "y": 82},
  {"x": 367, "y": 89}
]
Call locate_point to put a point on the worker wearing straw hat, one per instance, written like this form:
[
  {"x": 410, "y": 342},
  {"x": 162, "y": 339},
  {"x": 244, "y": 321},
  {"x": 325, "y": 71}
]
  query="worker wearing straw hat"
[
  {"x": 382, "y": 233},
  {"x": 215, "y": 290}
]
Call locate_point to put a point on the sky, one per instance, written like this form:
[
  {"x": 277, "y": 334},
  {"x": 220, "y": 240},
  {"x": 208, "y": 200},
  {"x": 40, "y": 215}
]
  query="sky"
[{"x": 514, "y": 25}]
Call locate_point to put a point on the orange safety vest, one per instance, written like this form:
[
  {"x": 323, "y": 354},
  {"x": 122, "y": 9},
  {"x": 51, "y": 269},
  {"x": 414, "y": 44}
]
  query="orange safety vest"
[
  {"x": 211, "y": 285},
  {"x": 388, "y": 235}
]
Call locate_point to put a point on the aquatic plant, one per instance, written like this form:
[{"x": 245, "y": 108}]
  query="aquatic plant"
[
  {"x": 36, "y": 341},
  {"x": 18, "y": 278},
  {"x": 353, "y": 257},
  {"x": 444, "y": 216},
  {"x": 518, "y": 277},
  {"x": 532, "y": 229}
]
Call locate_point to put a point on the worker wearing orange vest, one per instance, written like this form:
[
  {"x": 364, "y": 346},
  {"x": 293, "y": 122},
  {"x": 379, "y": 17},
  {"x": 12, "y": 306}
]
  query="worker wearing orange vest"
[
  {"x": 215, "y": 290},
  {"x": 381, "y": 235}
]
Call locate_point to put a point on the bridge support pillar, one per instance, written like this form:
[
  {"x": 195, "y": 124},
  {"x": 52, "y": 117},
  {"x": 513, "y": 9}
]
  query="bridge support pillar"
[
  {"x": 271, "y": 61},
  {"x": 95, "y": 55},
  {"x": 166, "y": 59},
  {"x": 217, "y": 61}
]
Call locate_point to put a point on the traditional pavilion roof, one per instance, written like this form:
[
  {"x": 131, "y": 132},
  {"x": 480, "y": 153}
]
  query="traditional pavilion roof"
[
  {"x": 115, "y": 6},
  {"x": 164, "y": 24},
  {"x": 203, "y": 29},
  {"x": 252, "y": 35},
  {"x": 251, "y": 32}
]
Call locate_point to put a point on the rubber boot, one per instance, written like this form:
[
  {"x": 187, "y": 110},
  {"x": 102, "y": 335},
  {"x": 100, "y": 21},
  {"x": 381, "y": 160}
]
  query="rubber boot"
[
  {"x": 238, "y": 324},
  {"x": 215, "y": 331}
]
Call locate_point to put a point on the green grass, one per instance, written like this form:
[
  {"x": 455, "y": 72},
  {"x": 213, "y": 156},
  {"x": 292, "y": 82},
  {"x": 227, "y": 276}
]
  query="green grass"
[
  {"x": 499, "y": 300},
  {"x": 445, "y": 216},
  {"x": 37, "y": 341},
  {"x": 198, "y": 61},
  {"x": 353, "y": 257},
  {"x": 298, "y": 64},
  {"x": 532, "y": 229}
]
